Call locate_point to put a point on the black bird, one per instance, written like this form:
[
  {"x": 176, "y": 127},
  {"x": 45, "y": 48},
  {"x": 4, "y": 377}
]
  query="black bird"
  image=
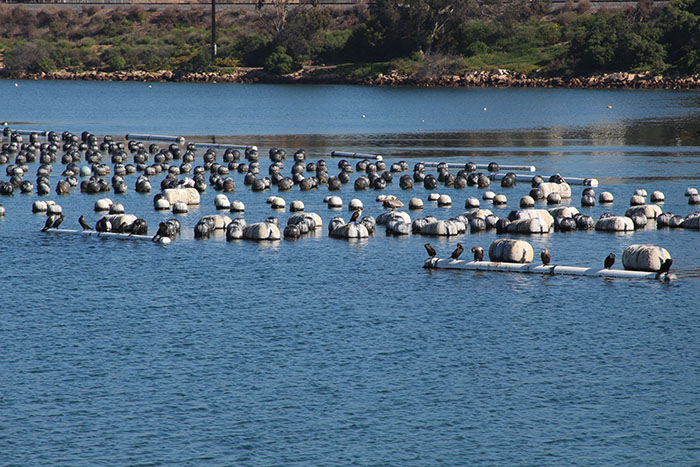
[
  {"x": 458, "y": 251},
  {"x": 478, "y": 253},
  {"x": 58, "y": 221},
  {"x": 431, "y": 251},
  {"x": 83, "y": 223},
  {"x": 546, "y": 257},
  {"x": 665, "y": 266},
  {"x": 162, "y": 231},
  {"x": 609, "y": 261},
  {"x": 49, "y": 222},
  {"x": 355, "y": 215}
]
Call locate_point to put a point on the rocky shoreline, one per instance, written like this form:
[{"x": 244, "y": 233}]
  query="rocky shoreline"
[{"x": 497, "y": 78}]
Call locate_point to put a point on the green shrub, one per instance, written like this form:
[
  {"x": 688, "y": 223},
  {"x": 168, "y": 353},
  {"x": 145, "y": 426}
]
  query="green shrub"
[
  {"x": 279, "y": 62},
  {"x": 117, "y": 63}
]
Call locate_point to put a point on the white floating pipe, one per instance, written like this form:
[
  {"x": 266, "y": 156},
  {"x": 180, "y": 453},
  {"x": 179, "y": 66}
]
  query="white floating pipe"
[
  {"x": 356, "y": 155},
  {"x": 225, "y": 146},
  {"x": 553, "y": 270},
  {"x": 29, "y": 132},
  {"x": 95, "y": 233},
  {"x": 593, "y": 182},
  {"x": 139, "y": 137},
  {"x": 457, "y": 165}
]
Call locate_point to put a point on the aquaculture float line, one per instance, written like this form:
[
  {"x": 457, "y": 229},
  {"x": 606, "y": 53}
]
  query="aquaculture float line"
[
  {"x": 95, "y": 233},
  {"x": 592, "y": 182},
  {"x": 145, "y": 137},
  {"x": 356, "y": 155},
  {"x": 457, "y": 165},
  {"x": 552, "y": 270}
]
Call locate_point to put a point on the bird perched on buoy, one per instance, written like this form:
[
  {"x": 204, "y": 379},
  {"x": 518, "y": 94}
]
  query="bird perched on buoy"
[
  {"x": 49, "y": 222},
  {"x": 458, "y": 251},
  {"x": 162, "y": 232},
  {"x": 665, "y": 267},
  {"x": 478, "y": 253},
  {"x": 546, "y": 257},
  {"x": 58, "y": 221},
  {"x": 355, "y": 215},
  {"x": 83, "y": 223},
  {"x": 431, "y": 251},
  {"x": 609, "y": 261}
]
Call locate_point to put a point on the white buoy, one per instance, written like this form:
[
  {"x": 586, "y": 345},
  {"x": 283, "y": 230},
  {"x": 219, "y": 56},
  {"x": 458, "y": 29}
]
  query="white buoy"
[
  {"x": 605, "y": 197},
  {"x": 296, "y": 206},
  {"x": 237, "y": 206},
  {"x": 85, "y": 171},
  {"x": 116, "y": 208},
  {"x": 433, "y": 197},
  {"x": 415, "y": 203},
  {"x": 162, "y": 204},
  {"x": 222, "y": 202},
  {"x": 527, "y": 202},
  {"x": 39, "y": 206},
  {"x": 278, "y": 203},
  {"x": 54, "y": 209},
  {"x": 180, "y": 207},
  {"x": 444, "y": 201},
  {"x": 637, "y": 200},
  {"x": 355, "y": 205},
  {"x": 335, "y": 202},
  {"x": 103, "y": 204},
  {"x": 500, "y": 200},
  {"x": 657, "y": 197},
  {"x": 2, "y": 210},
  {"x": 691, "y": 191},
  {"x": 471, "y": 203},
  {"x": 488, "y": 195}
]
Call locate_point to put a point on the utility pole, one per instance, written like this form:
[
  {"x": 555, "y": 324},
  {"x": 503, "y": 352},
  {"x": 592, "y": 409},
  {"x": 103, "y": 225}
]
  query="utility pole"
[{"x": 213, "y": 29}]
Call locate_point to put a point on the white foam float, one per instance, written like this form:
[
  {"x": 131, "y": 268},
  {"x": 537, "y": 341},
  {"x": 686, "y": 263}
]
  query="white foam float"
[{"x": 553, "y": 270}]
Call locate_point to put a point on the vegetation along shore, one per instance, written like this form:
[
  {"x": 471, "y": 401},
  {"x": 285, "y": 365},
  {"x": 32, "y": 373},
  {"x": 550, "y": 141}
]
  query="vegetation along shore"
[{"x": 513, "y": 43}]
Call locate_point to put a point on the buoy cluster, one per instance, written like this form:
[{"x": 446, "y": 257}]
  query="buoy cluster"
[{"x": 96, "y": 166}]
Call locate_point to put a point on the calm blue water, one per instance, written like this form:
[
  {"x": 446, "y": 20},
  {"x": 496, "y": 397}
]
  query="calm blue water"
[{"x": 327, "y": 352}]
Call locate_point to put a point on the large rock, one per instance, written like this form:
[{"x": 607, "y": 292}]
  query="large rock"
[
  {"x": 511, "y": 251},
  {"x": 644, "y": 257},
  {"x": 615, "y": 224},
  {"x": 189, "y": 196}
]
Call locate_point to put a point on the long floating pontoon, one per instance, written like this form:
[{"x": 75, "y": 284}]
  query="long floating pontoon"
[
  {"x": 95, "y": 233},
  {"x": 592, "y": 182},
  {"x": 29, "y": 132},
  {"x": 356, "y": 155},
  {"x": 142, "y": 137},
  {"x": 457, "y": 165},
  {"x": 551, "y": 270},
  {"x": 224, "y": 146}
]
